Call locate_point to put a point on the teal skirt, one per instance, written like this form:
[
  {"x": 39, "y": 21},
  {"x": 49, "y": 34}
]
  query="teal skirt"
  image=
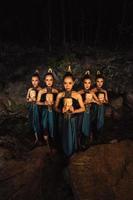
[
  {"x": 34, "y": 117},
  {"x": 48, "y": 121},
  {"x": 68, "y": 132},
  {"x": 98, "y": 117},
  {"x": 86, "y": 124}
]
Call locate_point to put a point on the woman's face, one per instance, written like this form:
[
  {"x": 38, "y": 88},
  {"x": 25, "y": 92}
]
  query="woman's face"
[
  {"x": 49, "y": 80},
  {"x": 99, "y": 82},
  {"x": 87, "y": 84},
  {"x": 35, "y": 81},
  {"x": 68, "y": 83}
]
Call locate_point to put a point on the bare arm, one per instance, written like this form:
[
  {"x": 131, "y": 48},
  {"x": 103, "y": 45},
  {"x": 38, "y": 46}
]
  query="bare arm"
[
  {"x": 106, "y": 97},
  {"x": 95, "y": 99},
  {"x": 39, "y": 99},
  {"x": 80, "y": 91},
  {"x": 55, "y": 90},
  {"x": 28, "y": 99},
  {"x": 28, "y": 95},
  {"x": 94, "y": 90}
]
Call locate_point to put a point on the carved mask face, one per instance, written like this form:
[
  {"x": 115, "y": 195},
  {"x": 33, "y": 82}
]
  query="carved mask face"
[
  {"x": 68, "y": 102},
  {"x": 49, "y": 98},
  {"x": 88, "y": 97},
  {"x": 33, "y": 94},
  {"x": 101, "y": 97}
]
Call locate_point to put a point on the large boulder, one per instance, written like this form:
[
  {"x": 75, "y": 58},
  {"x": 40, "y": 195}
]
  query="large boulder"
[
  {"x": 21, "y": 178},
  {"x": 117, "y": 103},
  {"x": 129, "y": 100},
  {"x": 17, "y": 91},
  {"x": 103, "y": 172}
]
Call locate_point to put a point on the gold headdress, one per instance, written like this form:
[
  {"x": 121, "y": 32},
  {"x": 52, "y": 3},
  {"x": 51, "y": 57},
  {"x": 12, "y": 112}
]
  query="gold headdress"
[
  {"x": 87, "y": 72},
  {"x": 50, "y": 70},
  {"x": 36, "y": 71},
  {"x": 98, "y": 72},
  {"x": 69, "y": 69}
]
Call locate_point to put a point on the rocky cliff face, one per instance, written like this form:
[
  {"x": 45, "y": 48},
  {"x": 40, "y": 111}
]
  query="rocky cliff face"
[
  {"x": 18, "y": 64},
  {"x": 32, "y": 175},
  {"x": 103, "y": 172}
]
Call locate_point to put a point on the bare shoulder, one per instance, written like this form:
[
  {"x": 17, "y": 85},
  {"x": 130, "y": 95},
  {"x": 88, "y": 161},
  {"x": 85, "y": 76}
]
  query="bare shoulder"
[
  {"x": 76, "y": 95},
  {"x": 42, "y": 91},
  {"x": 54, "y": 90},
  {"x": 74, "y": 92},
  {"x": 105, "y": 91},
  {"x": 30, "y": 89},
  {"x": 93, "y": 90},
  {"x": 60, "y": 95},
  {"x": 81, "y": 91},
  {"x": 40, "y": 88}
]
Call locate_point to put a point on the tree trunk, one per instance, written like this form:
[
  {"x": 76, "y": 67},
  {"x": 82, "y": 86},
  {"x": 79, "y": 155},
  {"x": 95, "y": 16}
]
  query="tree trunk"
[
  {"x": 62, "y": 3},
  {"x": 122, "y": 23},
  {"x": 98, "y": 28},
  {"x": 49, "y": 26}
]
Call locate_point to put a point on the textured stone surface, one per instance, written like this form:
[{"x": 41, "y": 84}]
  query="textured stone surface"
[
  {"x": 117, "y": 103},
  {"x": 103, "y": 172},
  {"x": 32, "y": 175},
  {"x": 129, "y": 100},
  {"x": 20, "y": 179}
]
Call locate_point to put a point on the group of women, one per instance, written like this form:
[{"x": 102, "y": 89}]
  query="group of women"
[{"x": 67, "y": 120}]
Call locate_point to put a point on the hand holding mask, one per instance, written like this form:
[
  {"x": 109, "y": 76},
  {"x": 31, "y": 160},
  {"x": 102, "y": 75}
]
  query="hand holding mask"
[
  {"x": 68, "y": 104},
  {"x": 101, "y": 97},
  {"x": 49, "y": 99},
  {"x": 89, "y": 98},
  {"x": 32, "y": 95}
]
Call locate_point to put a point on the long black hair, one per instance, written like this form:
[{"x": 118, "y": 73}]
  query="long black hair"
[
  {"x": 86, "y": 75},
  {"x": 49, "y": 73},
  {"x": 36, "y": 74},
  {"x": 99, "y": 75},
  {"x": 69, "y": 74}
]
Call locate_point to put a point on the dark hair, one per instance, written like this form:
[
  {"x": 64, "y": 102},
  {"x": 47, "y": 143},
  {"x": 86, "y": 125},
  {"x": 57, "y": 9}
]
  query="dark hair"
[
  {"x": 36, "y": 75},
  {"x": 68, "y": 74},
  {"x": 99, "y": 76},
  {"x": 48, "y": 74},
  {"x": 86, "y": 76}
]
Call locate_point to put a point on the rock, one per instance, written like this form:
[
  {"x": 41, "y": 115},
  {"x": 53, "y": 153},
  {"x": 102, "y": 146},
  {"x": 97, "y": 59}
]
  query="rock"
[
  {"x": 16, "y": 91},
  {"x": 37, "y": 176},
  {"x": 103, "y": 172},
  {"x": 117, "y": 114},
  {"x": 108, "y": 112},
  {"x": 20, "y": 179},
  {"x": 9, "y": 106},
  {"x": 113, "y": 141},
  {"x": 117, "y": 103},
  {"x": 129, "y": 100},
  {"x": 3, "y": 107}
]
